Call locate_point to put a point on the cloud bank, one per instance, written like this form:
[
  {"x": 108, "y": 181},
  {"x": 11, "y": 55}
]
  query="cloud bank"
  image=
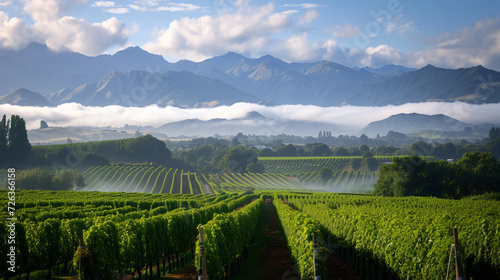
[
  {"x": 350, "y": 118},
  {"x": 49, "y": 25}
]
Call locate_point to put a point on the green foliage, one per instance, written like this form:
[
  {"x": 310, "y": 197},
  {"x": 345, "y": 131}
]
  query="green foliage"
[
  {"x": 256, "y": 167},
  {"x": 421, "y": 148},
  {"x": 132, "y": 150},
  {"x": 42, "y": 179},
  {"x": 372, "y": 163},
  {"x": 4, "y": 148},
  {"x": 356, "y": 163},
  {"x": 494, "y": 133},
  {"x": 299, "y": 229},
  {"x": 15, "y": 147},
  {"x": 94, "y": 159},
  {"x": 235, "y": 160},
  {"x": 320, "y": 150},
  {"x": 410, "y": 236},
  {"x": 475, "y": 173},
  {"x": 325, "y": 174},
  {"x": 227, "y": 236},
  {"x": 35, "y": 179}
]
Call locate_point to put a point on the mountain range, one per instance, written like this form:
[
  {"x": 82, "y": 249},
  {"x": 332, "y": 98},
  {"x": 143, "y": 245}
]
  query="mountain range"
[{"x": 134, "y": 73}]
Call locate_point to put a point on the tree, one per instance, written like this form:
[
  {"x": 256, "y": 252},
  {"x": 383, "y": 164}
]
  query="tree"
[
  {"x": 356, "y": 163},
  {"x": 19, "y": 145},
  {"x": 35, "y": 179},
  {"x": 94, "y": 159},
  {"x": 325, "y": 174},
  {"x": 321, "y": 150},
  {"x": 367, "y": 155},
  {"x": 235, "y": 142},
  {"x": 237, "y": 159},
  {"x": 421, "y": 148},
  {"x": 340, "y": 152},
  {"x": 266, "y": 153},
  {"x": 364, "y": 148},
  {"x": 479, "y": 163},
  {"x": 475, "y": 173},
  {"x": 287, "y": 151},
  {"x": 401, "y": 178},
  {"x": 68, "y": 180},
  {"x": 4, "y": 148},
  {"x": 372, "y": 163},
  {"x": 256, "y": 167},
  {"x": 494, "y": 133}
]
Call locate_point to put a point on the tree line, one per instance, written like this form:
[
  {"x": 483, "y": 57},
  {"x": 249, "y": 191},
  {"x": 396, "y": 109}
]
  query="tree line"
[
  {"x": 15, "y": 147},
  {"x": 475, "y": 173}
]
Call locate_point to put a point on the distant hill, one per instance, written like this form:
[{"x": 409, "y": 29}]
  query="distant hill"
[
  {"x": 408, "y": 123},
  {"x": 60, "y": 135},
  {"x": 252, "y": 123},
  {"x": 24, "y": 97},
  {"x": 140, "y": 88},
  {"x": 475, "y": 85},
  {"x": 389, "y": 70}
]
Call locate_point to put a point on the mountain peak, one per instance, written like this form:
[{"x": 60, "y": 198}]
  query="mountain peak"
[
  {"x": 254, "y": 115},
  {"x": 429, "y": 66},
  {"x": 24, "y": 97}
]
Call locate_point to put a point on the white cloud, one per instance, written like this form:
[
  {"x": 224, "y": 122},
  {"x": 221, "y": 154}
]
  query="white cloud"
[
  {"x": 247, "y": 30},
  {"x": 105, "y": 4},
  {"x": 381, "y": 55},
  {"x": 471, "y": 46},
  {"x": 400, "y": 26},
  {"x": 60, "y": 32},
  {"x": 306, "y": 5},
  {"x": 153, "y": 6},
  {"x": 309, "y": 17},
  {"x": 118, "y": 10},
  {"x": 346, "y": 31},
  {"x": 14, "y": 34},
  {"x": 350, "y": 118},
  {"x": 5, "y": 3}
]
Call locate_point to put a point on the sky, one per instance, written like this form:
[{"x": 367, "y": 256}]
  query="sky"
[{"x": 359, "y": 33}]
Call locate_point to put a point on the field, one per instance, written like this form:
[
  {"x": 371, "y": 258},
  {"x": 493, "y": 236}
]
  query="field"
[
  {"x": 136, "y": 219},
  {"x": 282, "y": 173},
  {"x": 139, "y": 233}
]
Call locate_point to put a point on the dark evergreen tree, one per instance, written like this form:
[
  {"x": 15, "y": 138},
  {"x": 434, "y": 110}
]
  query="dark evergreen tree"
[
  {"x": 494, "y": 133},
  {"x": 4, "y": 130},
  {"x": 19, "y": 145}
]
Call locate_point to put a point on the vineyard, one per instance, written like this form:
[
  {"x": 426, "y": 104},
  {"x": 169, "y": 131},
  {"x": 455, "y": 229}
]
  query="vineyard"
[
  {"x": 298, "y": 165},
  {"x": 155, "y": 234},
  {"x": 152, "y": 179},
  {"x": 281, "y": 174},
  {"x": 157, "y": 179}
]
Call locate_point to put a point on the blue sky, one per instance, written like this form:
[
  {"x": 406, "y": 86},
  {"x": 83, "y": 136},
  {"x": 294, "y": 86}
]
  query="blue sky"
[{"x": 414, "y": 33}]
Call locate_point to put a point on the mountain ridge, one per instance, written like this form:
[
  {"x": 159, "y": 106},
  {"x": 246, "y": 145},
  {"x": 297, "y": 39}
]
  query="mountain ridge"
[
  {"x": 409, "y": 123},
  {"x": 267, "y": 78}
]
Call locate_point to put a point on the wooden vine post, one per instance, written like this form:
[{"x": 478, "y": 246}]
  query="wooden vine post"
[
  {"x": 458, "y": 257},
  {"x": 317, "y": 272},
  {"x": 203, "y": 274}
]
